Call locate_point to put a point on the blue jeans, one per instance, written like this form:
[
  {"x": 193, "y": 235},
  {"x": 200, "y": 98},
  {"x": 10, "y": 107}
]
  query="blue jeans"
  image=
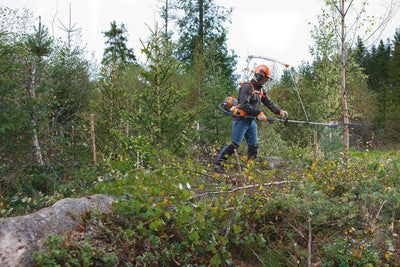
[
  {"x": 241, "y": 129},
  {"x": 246, "y": 129}
]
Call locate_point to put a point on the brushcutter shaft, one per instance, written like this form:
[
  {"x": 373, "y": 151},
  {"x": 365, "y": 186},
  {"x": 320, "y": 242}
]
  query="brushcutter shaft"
[{"x": 332, "y": 124}]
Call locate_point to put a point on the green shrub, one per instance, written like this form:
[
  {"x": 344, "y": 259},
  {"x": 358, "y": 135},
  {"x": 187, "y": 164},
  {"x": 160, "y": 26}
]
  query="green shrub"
[{"x": 180, "y": 213}]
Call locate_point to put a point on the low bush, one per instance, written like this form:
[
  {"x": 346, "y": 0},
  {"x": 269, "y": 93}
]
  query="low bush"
[{"x": 182, "y": 214}]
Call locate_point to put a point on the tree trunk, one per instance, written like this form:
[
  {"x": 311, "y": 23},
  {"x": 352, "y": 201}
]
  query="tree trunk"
[
  {"x": 166, "y": 18},
  {"x": 344, "y": 93},
  {"x": 309, "y": 241},
  {"x": 35, "y": 139},
  {"x": 93, "y": 139},
  {"x": 201, "y": 24}
]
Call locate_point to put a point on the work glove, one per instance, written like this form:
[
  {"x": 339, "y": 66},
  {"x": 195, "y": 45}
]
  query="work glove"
[
  {"x": 262, "y": 117},
  {"x": 284, "y": 114}
]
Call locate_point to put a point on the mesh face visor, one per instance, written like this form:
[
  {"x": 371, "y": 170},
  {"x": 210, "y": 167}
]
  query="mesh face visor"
[{"x": 261, "y": 72}]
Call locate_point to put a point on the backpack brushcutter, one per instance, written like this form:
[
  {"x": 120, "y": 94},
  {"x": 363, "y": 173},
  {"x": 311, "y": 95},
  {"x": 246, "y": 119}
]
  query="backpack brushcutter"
[{"x": 223, "y": 107}]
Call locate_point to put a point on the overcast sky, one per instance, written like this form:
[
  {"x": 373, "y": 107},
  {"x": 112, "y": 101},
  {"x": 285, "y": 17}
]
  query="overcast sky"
[{"x": 273, "y": 28}]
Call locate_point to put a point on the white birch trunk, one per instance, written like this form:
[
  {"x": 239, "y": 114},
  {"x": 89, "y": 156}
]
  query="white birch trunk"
[
  {"x": 35, "y": 140},
  {"x": 344, "y": 92}
]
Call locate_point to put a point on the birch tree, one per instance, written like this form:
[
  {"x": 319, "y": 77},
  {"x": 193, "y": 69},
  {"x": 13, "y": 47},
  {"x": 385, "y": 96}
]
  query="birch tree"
[
  {"x": 39, "y": 44},
  {"x": 358, "y": 9}
]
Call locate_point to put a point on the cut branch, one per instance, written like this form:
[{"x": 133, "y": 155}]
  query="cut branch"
[
  {"x": 240, "y": 188},
  {"x": 199, "y": 172}
]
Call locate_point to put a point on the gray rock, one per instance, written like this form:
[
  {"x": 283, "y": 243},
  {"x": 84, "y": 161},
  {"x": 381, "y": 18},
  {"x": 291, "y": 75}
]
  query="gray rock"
[
  {"x": 21, "y": 236},
  {"x": 273, "y": 163}
]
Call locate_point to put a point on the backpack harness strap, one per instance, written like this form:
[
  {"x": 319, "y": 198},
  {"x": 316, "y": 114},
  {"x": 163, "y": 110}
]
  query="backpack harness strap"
[{"x": 237, "y": 111}]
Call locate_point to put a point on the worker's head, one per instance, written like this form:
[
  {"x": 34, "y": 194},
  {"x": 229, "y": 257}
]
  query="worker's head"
[{"x": 261, "y": 74}]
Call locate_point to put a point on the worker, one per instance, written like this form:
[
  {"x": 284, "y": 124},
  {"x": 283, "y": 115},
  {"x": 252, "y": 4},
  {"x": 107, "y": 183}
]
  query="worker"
[{"x": 250, "y": 96}]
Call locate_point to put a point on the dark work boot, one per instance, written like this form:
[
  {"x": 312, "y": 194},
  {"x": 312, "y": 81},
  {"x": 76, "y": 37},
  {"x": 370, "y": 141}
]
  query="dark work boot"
[
  {"x": 252, "y": 152},
  {"x": 226, "y": 152}
]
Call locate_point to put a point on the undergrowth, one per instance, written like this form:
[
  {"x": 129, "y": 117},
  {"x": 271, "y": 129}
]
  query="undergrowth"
[{"x": 183, "y": 214}]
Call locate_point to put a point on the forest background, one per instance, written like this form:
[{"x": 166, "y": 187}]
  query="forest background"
[{"x": 158, "y": 129}]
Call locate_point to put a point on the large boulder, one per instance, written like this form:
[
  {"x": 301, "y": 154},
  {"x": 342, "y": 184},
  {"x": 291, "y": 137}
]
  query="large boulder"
[{"x": 21, "y": 236}]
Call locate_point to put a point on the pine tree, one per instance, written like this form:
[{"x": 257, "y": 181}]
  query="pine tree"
[
  {"x": 68, "y": 83},
  {"x": 394, "y": 69},
  {"x": 39, "y": 43},
  {"x": 117, "y": 51},
  {"x": 361, "y": 54},
  {"x": 378, "y": 79},
  {"x": 394, "y": 84},
  {"x": 208, "y": 63},
  {"x": 202, "y": 28},
  {"x": 161, "y": 117},
  {"x": 167, "y": 13},
  {"x": 117, "y": 58}
]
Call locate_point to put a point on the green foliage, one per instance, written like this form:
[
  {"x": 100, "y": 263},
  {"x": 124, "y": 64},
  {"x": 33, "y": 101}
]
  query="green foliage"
[
  {"x": 200, "y": 28},
  {"x": 12, "y": 116},
  {"x": 378, "y": 78},
  {"x": 209, "y": 66},
  {"x": 206, "y": 95},
  {"x": 32, "y": 189},
  {"x": 66, "y": 90},
  {"x": 146, "y": 107},
  {"x": 179, "y": 215},
  {"x": 379, "y": 65},
  {"x": 62, "y": 88},
  {"x": 285, "y": 94},
  {"x": 39, "y": 43},
  {"x": 162, "y": 114},
  {"x": 156, "y": 124},
  {"x": 67, "y": 86},
  {"x": 117, "y": 51},
  {"x": 21, "y": 204},
  {"x": 115, "y": 89},
  {"x": 345, "y": 253},
  {"x": 394, "y": 105},
  {"x": 327, "y": 71},
  {"x": 80, "y": 253},
  {"x": 51, "y": 260}
]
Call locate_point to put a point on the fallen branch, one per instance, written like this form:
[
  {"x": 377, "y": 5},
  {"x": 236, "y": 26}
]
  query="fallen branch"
[
  {"x": 240, "y": 188},
  {"x": 393, "y": 210},
  {"x": 238, "y": 162},
  {"x": 263, "y": 264},
  {"x": 380, "y": 210},
  {"x": 198, "y": 172},
  {"x": 297, "y": 230}
]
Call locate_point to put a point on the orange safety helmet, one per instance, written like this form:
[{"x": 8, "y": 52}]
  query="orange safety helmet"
[{"x": 261, "y": 71}]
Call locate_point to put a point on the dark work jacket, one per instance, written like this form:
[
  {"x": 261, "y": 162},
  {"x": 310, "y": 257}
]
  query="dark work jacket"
[{"x": 251, "y": 105}]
